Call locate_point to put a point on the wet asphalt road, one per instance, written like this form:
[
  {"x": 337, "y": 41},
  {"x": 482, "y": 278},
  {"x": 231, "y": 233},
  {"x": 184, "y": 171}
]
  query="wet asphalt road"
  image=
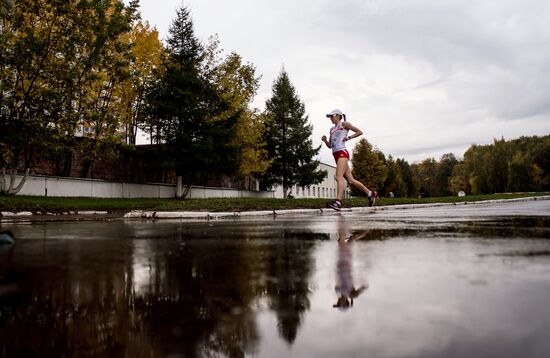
[{"x": 450, "y": 281}]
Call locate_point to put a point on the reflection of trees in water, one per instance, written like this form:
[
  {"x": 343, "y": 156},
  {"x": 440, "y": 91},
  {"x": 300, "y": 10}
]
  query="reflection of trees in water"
[
  {"x": 68, "y": 303},
  {"x": 519, "y": 227},
  {"x": 200, "y": 298},
  {"x": 72, "y": 302},
  {"x": 188, "y": 295},
  {"x": 288, "y": 268}
]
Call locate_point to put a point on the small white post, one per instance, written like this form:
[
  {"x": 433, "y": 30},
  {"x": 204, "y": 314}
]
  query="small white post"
[{"x": 179, "y": 186}]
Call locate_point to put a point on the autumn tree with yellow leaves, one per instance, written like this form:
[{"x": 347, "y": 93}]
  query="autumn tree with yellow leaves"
[
  {"x": 146, "y": 51},
  {"x": 237, "y": 84},
  {"x": 368, "y": 166},
  {"x": 61, "y": 65},
  {"x": 83, "y": 76}
]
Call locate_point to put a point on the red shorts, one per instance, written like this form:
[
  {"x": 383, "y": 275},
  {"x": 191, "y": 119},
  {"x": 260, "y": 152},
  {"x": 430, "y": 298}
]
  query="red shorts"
[{"x": 340, "y": 154}]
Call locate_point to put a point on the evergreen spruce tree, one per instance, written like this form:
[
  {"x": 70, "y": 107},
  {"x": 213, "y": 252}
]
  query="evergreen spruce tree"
[
  {"x": 288, "y": 140},
  {"x": 186, "y": 105}
]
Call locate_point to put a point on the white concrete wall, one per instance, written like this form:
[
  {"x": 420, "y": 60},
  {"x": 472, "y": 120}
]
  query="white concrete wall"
[
  {"x": 326, "y": 189},
  {"x": 200, "y": 192},
  {"x": 75, "y": 187}
]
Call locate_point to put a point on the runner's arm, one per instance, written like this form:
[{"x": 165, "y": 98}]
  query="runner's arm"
[
  {"x": 356, "y": 131},
  {"x": 324, "y": 139}
]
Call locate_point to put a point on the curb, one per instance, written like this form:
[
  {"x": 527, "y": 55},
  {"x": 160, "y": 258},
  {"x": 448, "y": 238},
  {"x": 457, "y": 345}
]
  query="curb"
[
  {"x": 481, "y": 202},
  {"x": 28, "y": 213},
  {"x": 308, "y": 212},
  {"x": 204, "y": 215}
]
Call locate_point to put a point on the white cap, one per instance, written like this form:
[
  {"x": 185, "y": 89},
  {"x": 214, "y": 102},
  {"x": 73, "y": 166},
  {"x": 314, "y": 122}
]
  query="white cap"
[{"x": 336, "y": 111}]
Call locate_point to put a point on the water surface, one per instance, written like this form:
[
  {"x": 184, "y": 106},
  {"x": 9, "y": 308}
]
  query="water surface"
[{"x": 435, "y": 282}]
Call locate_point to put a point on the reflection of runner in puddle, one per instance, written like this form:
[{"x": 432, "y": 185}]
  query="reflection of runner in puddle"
[{"x": 344, "y": 275}]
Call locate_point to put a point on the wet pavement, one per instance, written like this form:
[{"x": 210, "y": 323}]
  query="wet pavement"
[{"x": 453, "y": 281}]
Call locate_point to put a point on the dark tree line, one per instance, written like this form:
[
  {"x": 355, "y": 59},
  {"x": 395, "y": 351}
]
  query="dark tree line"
[
  {"x": 517, "y": 165},
  {"x": 521, "y": 164}
]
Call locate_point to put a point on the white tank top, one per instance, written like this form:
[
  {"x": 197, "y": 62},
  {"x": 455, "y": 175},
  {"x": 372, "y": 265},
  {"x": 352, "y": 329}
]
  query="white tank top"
[{"x": 337, "y": 135}]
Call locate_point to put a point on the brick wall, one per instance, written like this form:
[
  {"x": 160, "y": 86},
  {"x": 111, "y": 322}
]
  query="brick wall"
[{"x": 139, "y": 165}]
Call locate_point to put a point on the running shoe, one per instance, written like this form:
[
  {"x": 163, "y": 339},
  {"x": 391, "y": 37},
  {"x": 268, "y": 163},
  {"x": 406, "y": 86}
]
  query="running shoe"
[
  {"x": 372, "y": 198},
  {"x": 336, "y": 205}
]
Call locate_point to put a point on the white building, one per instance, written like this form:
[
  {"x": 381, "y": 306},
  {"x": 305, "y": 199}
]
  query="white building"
[{"x": 325, "y": 189}]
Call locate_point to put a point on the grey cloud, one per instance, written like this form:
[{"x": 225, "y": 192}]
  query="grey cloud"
[
  {"x": 498, "y": 43},
  {"x": 419, "y": 69}
]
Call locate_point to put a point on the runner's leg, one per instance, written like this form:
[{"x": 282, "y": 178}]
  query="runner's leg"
[{"x": 341, "y": 168}]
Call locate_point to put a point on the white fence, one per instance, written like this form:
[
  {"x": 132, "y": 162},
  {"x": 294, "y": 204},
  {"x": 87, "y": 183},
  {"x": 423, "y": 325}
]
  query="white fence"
[{"x": 75, "y": 187}]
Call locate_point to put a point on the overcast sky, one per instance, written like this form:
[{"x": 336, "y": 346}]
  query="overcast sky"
[{"x": 420, "y": 77}]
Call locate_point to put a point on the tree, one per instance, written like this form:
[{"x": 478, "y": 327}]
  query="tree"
[
  {"x": 102, "y": 98},
  {"x": 474, "y": 169},
  {"x": 60, "y": 65},
  {"x": 5, "y": 6},
  {"x": 426, "y": 171},
  {"x": 458, "y": 180},
  {"x": 368, "y": 166},
  {"x": 411, "y": 182},
  {"x": 288, "y": 139},
  {"x": 189, "y": 110},
  {"x": 146, "y": 51},
  {"x": 539, "y": 152},
  {"x": 517, "y": 165},
  {"x": 520, "y": 173},
  {"x": 394, "y": 181},
  {"x": 237, "y": 84},
  {"x": 500, "y": 154},
  {"x": 444, "y": 173}
]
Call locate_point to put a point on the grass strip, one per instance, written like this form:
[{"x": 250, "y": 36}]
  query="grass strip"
[{"x": 38, "y": 204}]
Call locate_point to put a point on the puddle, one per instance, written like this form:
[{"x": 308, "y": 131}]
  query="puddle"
[{"x": 351, "y": 285}]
